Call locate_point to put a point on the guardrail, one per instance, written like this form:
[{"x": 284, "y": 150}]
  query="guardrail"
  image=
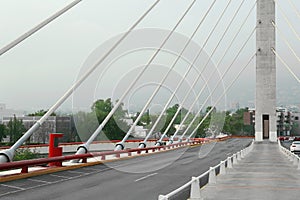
[
  {"x": 219, "y": 169},
  {"x": 24, "y": 165},
  {"x": 79, "y": 143},
  {"x": 291, "y": 156}
]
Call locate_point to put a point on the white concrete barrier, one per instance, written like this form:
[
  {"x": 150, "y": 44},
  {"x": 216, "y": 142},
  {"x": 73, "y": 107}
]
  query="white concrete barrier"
[
  {"x": 195, "y": 189},
  {"x": 212, "y": 176},
  {"x": 222, "y": 168},
  {"x": 195, "y": 193}
]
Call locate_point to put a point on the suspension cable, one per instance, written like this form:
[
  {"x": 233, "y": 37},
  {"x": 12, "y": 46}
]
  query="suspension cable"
[
  {"x": 195, "y": 59},
  {"x": 294, "y": 8},
  {"x": 38, "y": 27},
  {"x": 195, "y": 117},
  {"x": 143, "y": 144},
  {"x": 220, "y": 98},
  {"x": 73, "y": 87},
  {"x": 216, "y": 68},
  {"x": 225, "y": 52},
  {"x": 159, "y": 86},
  {"x": 110, "y": 114},
  {"x": 286, "y": 65},
  {"x": 281, "y": 35},
  {"x": 287, "y": 20}
]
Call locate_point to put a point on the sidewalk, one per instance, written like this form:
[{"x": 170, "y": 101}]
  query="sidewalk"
[{"x": 266, "y": 173}]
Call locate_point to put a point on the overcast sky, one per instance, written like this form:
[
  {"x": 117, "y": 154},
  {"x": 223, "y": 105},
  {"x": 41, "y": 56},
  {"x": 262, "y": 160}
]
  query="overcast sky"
[{"x": 39, "y": 70}]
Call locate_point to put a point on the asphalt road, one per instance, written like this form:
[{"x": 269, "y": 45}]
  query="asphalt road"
[{"x": 143, "y": 177}]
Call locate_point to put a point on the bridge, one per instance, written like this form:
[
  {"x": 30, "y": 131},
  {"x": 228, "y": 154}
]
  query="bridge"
[{"x": 205, "y": 63}]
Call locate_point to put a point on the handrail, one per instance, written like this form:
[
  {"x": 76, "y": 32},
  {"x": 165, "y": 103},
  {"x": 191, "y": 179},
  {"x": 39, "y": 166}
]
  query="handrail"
[
  {"x": 34, "y": 162},
  {"x": 233, "y": 158},
  {"x": 78, "y": 143},
  {"x": 187, "y": 184}
]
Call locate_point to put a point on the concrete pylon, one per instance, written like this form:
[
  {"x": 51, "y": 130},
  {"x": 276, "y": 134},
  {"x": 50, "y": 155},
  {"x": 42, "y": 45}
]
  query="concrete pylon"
[
  {"x": 243, "y": 153},
  {"x": 265, "y": 103},
  {"x": 195, "y": 189},
  {"x": 239, "y": 156},
  {"x": 229, "y": 163},
  {"x": 222, "y": 168},
  {"x": 234, "y": 159},
  {"x": 212, "y": 176}
]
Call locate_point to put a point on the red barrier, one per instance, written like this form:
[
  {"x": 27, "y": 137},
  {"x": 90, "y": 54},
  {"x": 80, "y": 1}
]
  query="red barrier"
[
  {"x": 43, "y": 161},
  {"x": 54, "y": 149}
]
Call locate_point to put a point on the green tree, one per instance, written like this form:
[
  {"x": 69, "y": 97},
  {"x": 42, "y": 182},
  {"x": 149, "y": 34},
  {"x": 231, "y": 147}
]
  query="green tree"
[
  {"x": 139, "y": 123},
  {"x": 15, "y": 129},
  {"x": 170, "y": 113},
  {"x": 40, "y": 113},
  {"x": 203, "y": 129},
  {"x": 145, "y": 119},
  {"x": 26, "y": 154},
  {"x": 234, "y": 123},
  {"x": 3, "y": 132},
  {"x": 115, "y": 127}
]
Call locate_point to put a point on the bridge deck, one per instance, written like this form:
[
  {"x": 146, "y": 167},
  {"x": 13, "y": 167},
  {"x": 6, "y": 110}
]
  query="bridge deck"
[{"x": 264, "y": 174}]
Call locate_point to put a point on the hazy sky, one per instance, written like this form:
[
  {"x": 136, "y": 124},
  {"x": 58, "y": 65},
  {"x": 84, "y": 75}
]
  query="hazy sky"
[{"x": 39, "y": 70}]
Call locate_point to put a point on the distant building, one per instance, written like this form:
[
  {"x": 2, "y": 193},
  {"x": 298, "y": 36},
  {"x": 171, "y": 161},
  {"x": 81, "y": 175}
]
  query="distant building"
[
  {"x": 296, "y": 124},
  {"x": 5, "y": 112},
  {"x": 285, "y": 121},
  {"x": 65, "y": 125},
  {"x": 139, "y": 131},
  {"x": 179, "y": 128},
  {"x": 54, "y": 124},
  {"x": 249, "y": 117}
]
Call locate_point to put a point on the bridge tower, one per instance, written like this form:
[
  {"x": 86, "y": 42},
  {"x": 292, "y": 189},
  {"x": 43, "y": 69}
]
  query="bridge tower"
[{"x": 265, "y": 103}]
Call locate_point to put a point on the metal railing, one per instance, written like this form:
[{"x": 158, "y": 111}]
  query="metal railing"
[
  {"x": 291, "y": 156},
  {"x": 219, "y": 169},
  {"x": 78, "y": 143},
  {"x": 24, "y": 165}
]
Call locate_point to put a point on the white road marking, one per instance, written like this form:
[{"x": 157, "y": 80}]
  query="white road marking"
[
  {"x": 149, "y": 175},
  {"x": 44, "y": 183},
  {"x": 59, "y": 176},
  {"x": 12, "y": 186},
  {"x": 37, "y": 180},
  {"x": 77, "y": 172}
]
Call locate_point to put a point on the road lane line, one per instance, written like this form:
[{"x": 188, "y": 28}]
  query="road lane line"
[
  {"x": 37, "y": 180},
  {"x": 65, "y": 177},
  {"x": 12, "y": 186},
  {"x": 144, "y": 177},
  {"x": 77, "y": 172}
]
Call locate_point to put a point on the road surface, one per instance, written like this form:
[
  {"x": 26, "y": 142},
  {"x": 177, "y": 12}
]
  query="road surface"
[{"x": 143, "y": 177}]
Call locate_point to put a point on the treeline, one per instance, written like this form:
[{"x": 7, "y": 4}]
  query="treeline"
[
  {"x": 85, "y": 123},
  {"x": 14, "y": 129}
]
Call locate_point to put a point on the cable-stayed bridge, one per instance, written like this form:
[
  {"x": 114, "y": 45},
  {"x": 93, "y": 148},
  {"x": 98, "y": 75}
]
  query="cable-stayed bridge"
[{"x": 230, "y": 43}]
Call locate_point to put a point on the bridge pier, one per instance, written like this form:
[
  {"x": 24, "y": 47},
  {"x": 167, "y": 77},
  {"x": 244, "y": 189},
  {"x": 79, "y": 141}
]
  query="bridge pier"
[{"x": 265, "y": 105}]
